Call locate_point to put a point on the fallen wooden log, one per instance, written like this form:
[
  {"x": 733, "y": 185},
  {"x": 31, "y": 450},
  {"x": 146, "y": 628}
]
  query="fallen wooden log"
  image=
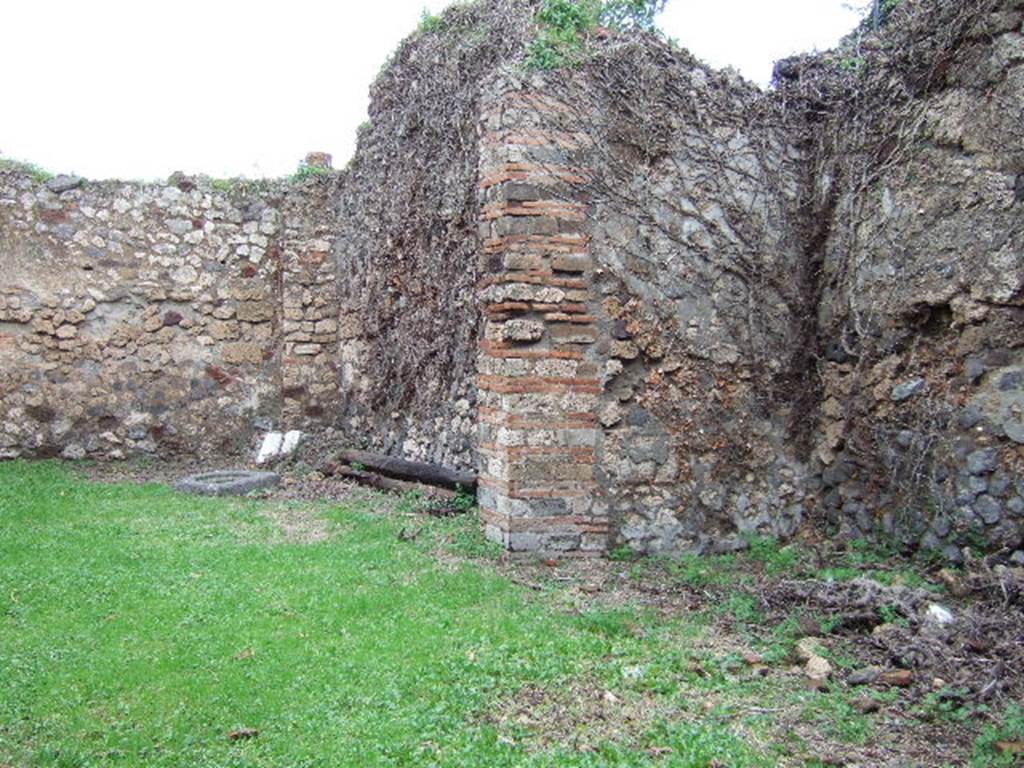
[
  {"x": 411, "y": 471},
  {"x": 382, "y": 483}
]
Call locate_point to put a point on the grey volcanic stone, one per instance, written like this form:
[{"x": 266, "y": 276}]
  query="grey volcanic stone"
[
  {"x": 864, "y": 676},
  {"x": 999, "y": 483},
  {"x": 1011, "y": 380},
  {"x": 179, "y": 226},
  {"x": 1015, "y": 431},
  {"x": 983, "y": 461},
  {"x": 970, "y": 416},
  {"x": 226, "y": 483},
  {"x": 941, "y": 525},
  {"x": 988, "y": 509},
  {"x": 968, "y": 488},
  {"x": 907, "y": 389},
  {"x": 62, "y": 183},
  {"x": 974, "y": 369},
  {"x": 953, "y": 554}
]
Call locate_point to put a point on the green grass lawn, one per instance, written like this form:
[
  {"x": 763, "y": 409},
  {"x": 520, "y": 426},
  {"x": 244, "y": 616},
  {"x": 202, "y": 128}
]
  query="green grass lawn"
[{"x": 140, "y": 627}]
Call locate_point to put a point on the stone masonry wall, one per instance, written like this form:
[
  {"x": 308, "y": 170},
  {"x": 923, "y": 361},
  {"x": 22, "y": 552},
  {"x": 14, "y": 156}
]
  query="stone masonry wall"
[
  {"x": 656, "y": 307},
  {"x": 343, "y": 303},
  {"x": 407, "y": 244},
  {"x": 642, "y": 289},
  {"x": 698, "y": 246},
  {"x": 147, "y": 317},
  {"x": 311, "y": 388},
  {"x": 922, "y": 315},
  {"x": 759, "y": 339}
]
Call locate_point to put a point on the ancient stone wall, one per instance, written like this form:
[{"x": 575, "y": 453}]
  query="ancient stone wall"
[
  {"x": 655, "y": 306},
  {"x": 338, "y": 300},
  {"x": 698, "y": 246},
  {"x": 801, "y": 307},
  {"x": 311, "y": 387},
  {"x": 922, "y": 310},
  {"x": 643, "y": 290},
  {"x": 148, "y": 317},
  {"x": 407, "y": 244}
]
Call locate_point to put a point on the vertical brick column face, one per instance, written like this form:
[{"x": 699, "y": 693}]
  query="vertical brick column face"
[
  {"x": 309, "y": 326},
  {"x": 538, "y": 369}
]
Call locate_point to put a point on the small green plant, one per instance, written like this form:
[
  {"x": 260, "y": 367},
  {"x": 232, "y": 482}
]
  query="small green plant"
[
  {"x": 829, "y": 624},
  {"x": 464, "y": 500},
  {"x": 358, "y": 466},
  {"x": 837, "y": 574},
  {"x": 890, "y": 615},
  {"x": 778, "y": 646},
  {"x": 612, "y": 623},
  {"x": 240, "y": 184},
  {"x": 702, "y": 570},
  {"x": 851, "y": 63},
  {"x": 38, "y": 174},
  {"x": 743, "y": 607},
  {"x": 866, "y": 552},
  {"x": 776, "y": 558},
  {"x": 977, "y": 541},
  {"x": 410, "y": 503},
  {"x": 429, "y": 22},
  {"x": 887, "y": 7},
  {"x": 462, "y": 535},
  {"x": 996, "y": 744},
  {"x": 622, "y": 554},
  {"x": 563, "y": 27},
  {"x": 946, "y": 705},
  {"x": 836, "y": 717},
  {"x": 305, "y": 171},
  {"x": 224, "y": 185}
]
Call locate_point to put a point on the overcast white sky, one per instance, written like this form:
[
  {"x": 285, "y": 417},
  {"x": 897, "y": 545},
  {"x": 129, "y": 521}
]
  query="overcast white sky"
[{"x": 141, "y": 88}]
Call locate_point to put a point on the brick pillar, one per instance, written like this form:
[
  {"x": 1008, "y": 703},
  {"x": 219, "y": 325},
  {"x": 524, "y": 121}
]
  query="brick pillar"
[
  {"x": 538, "y": 369},
  {"x": 309, "y": 296}
]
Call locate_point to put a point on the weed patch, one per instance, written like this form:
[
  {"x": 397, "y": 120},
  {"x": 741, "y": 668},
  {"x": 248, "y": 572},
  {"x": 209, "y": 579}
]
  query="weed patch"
[
  {"x": 38, "y": 174},
  {"x": 563, "y": 27}
]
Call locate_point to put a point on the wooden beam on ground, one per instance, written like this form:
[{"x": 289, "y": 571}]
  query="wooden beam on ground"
[
  {"x": 382, "y": 483},
  {"x": 409, "y": 471}
]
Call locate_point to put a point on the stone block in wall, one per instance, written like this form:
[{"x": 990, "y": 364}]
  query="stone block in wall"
[
  {"x": 255, "y": 311},
  {"x": 242, "y": 353}
]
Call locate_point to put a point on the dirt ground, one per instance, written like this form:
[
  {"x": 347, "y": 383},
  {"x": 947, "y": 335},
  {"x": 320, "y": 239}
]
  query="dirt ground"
[{"x": 927, "y": 688}]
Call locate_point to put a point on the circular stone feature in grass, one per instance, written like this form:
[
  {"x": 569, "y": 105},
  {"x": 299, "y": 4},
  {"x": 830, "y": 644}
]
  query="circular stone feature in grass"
[{"x": 226, "y": 482}]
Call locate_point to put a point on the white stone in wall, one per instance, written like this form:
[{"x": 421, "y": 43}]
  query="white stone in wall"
[
  {"x": 270, "y": 448},
  {"x": 277, "y": 444},
  {"x": 291, "y": 441}
]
